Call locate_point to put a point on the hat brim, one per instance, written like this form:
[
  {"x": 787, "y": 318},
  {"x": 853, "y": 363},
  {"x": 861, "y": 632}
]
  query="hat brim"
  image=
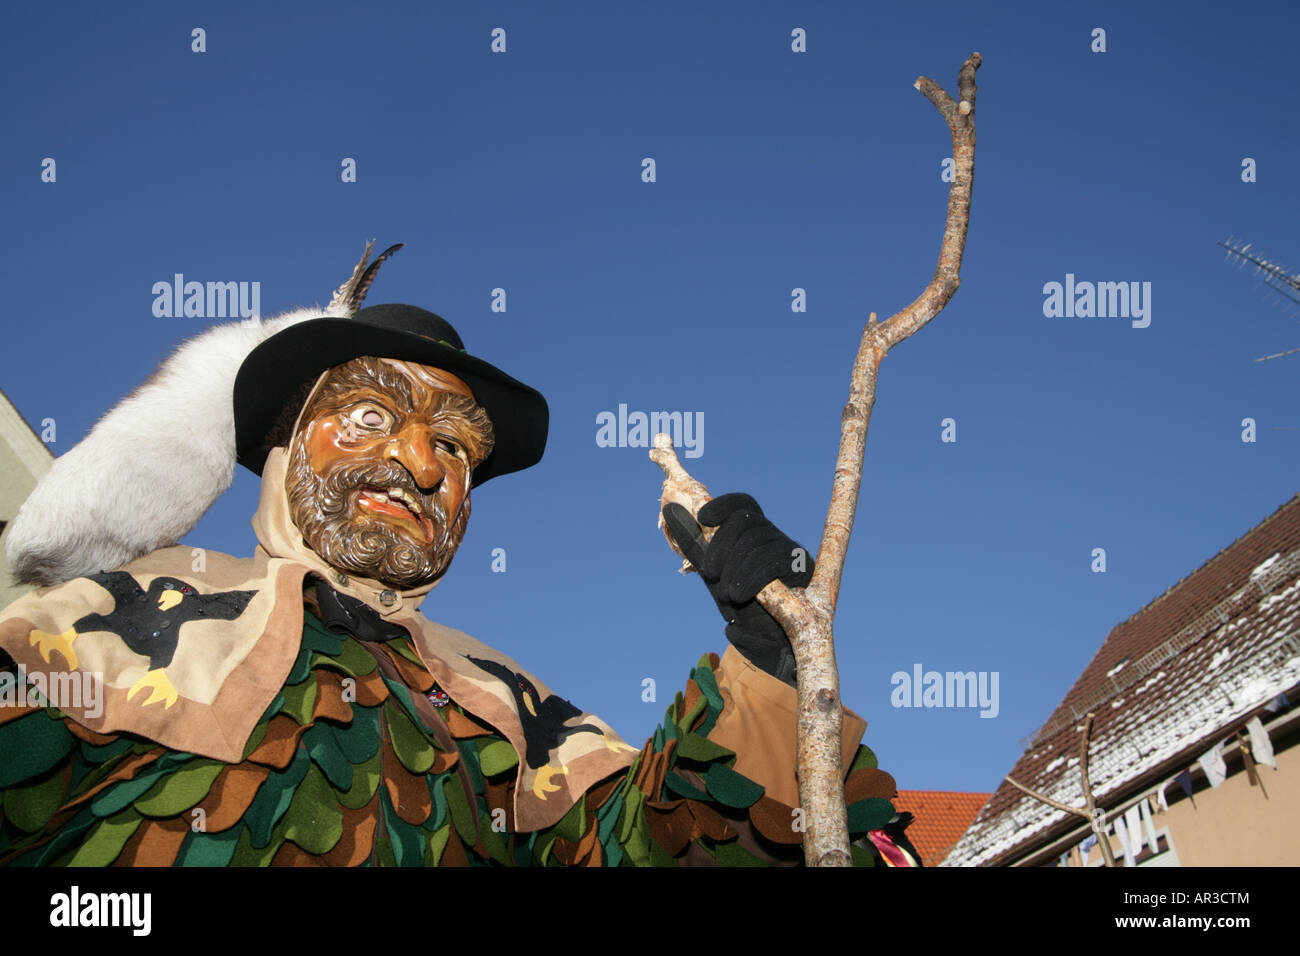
[{"x": 274, "y": 372}]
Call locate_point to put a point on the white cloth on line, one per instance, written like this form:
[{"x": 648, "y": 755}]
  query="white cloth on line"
[
  {"x": 1133, "y": 821},
  {"x": 1261, "y": 748},
  {"x": 1216, "y": 771}
]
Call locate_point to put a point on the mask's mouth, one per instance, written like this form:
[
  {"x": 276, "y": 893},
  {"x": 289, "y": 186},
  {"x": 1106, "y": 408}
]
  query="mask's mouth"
[{"x": 397, "y": 503}]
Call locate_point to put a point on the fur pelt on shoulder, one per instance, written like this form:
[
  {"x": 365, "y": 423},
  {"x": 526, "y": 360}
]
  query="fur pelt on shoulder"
[{"x": 149, "y": 469}]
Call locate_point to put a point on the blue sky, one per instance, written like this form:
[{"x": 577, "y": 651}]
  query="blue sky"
[{"x": 775, "y": 170}]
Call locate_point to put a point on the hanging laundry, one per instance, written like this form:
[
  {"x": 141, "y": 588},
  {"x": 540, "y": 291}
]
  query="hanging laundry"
[
  {"x": 1133, "y": 821},
  {"x": 1121, "y": 831},
  {"x": 1160, "y": 797},
  {"x": 1185, "y": 781},
  {"x": 1260, "y": 745},
  {"x": 1248, "y": 760},
  {"x": 1149, "y": 826},
  {"x": 1279, "y": 702},
  {"x": 1216, "y": 771}
]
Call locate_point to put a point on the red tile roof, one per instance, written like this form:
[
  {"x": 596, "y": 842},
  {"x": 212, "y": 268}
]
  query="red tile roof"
[
  {"x": 1177, "y": 676},
  {"x": 942, "y": 816}
]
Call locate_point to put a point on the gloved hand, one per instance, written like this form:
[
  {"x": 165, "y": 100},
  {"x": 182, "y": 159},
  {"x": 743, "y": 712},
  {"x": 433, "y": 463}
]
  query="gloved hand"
[{"x": 747, "y": 553}]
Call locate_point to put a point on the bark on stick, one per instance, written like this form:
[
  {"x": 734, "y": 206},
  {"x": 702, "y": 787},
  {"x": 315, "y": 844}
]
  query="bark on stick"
[{"x": 806, "y": 614}]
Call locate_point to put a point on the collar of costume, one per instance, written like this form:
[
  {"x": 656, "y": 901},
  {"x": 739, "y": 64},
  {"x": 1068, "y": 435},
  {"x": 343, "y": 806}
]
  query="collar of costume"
[{"x": 189, "y": 647}]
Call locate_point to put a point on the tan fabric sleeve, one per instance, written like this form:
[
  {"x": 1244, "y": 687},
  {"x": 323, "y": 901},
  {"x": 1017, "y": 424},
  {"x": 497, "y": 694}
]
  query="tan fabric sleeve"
[{"x": 759, "y": 722}]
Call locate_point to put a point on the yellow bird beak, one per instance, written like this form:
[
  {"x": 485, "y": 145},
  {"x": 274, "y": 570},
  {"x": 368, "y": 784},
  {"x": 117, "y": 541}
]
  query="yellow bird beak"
[
  {"x": 169, "y": 600},
  {"x": 528, "y": 702}
]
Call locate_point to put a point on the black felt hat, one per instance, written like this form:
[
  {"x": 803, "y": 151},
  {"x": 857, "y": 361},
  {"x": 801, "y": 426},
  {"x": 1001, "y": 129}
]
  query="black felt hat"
[{"x": 273, "y": 374}]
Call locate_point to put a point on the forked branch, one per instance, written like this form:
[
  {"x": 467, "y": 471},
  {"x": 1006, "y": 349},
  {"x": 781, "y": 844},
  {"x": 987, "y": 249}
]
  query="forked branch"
[{"x": 806, "y": 614}]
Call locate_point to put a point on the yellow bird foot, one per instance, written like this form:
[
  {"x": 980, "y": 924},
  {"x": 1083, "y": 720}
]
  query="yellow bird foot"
[
  {"x": 62, "y": 643},
  {"x": 542, "y": 783},
  {"x": 160, "y": 686}
]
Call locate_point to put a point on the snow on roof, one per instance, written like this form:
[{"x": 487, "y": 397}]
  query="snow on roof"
[{"x": 1205, "y": 654}]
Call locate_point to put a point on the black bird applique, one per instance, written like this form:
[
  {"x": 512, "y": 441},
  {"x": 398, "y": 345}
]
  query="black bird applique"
[
  {"x": 147, "y": 622},
  {"x": 543, "y": 720}
]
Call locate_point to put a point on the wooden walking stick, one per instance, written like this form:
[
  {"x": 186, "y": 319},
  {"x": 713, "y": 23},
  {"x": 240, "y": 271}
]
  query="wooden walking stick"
[{"x": 806, "y": 614}]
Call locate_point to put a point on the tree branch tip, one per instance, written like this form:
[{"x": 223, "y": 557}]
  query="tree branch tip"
[
  {"x": 663, "y": 441},
  {"x": 917, "y": 84},
  {"x": 964, "y": 108}
]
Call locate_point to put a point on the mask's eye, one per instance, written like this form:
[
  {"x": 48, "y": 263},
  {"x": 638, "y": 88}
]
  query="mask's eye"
[
  {"x": 369, "y": 416},
  {"x": 451, "y": 446}
]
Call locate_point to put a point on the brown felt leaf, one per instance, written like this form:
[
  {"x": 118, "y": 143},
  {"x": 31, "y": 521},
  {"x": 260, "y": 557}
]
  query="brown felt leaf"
[
  {"x": 330, "y": 702},
  {"x": 869, "y": 783},
  {"x": 358, "y": 837},
  {"x": 290, "y": 854},
  {"x": 230, "y": 796},
  {"x": 281, "y": 741},
  {"x": 155, "y": 843},
  {"x": 126, "y": 770},
  {"x": 413, "y": 675},
  {"x": 371, "y": 691},
  {"x": 711, "y": 823},
  {"x": 589, "y": 853},
  {"x": 408, "y": 792},
  {"x": 461, "y": 726},
  {"x": 774, "y": 820},
  {"x": 671, "y": 824}
]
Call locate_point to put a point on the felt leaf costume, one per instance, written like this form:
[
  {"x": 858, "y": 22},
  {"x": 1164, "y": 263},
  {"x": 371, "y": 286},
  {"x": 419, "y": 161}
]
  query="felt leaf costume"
[{"x": 275, "y": 710}]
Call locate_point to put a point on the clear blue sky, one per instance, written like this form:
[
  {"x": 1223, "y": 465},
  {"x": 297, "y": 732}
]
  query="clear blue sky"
[{"x": 775, "y": 170}]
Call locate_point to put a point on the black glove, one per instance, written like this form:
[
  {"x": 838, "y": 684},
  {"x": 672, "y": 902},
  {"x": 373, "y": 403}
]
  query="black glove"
[{"x": 746, "y": 554}]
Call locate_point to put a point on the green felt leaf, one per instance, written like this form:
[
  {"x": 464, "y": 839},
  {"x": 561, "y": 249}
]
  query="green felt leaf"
[
  {"x": 273, "y": 799},
  {"x": 102, "y": 754},
  {"x": 860, "y": 856},
  {"x": 409, "y": 841},
  {"x": 325, "y": 753},
  {"x": 255, "y": 739},
  {"x": 708, "y": 685},
  {"x": 438, "y": 815},
  {"x": 116, "y": 797},
  {"x": 462, "y": 816},
  {"x": 248, "y": 855},
  {"x": 694, "y": 747},
  {"x": 678, "y": 785},
  {"x": 410, "y": 744},
  {"x": 659, "y": 856},
  {"x": 209, "y": 849},
  {"x": 863, "y": 759},
  {"x": 313, "y": 820},
  {"x": 730, "y": 788},
  {"x": 30, "y": 807},
  {"x": 317, "y": 637},
  {"x": 469, "y": 753},
  {"x": 494, "y": 842},
  {"x": 300, "y": 701},
  {"x": 496, "y": 756},
  {"x": 732, "y": 854},
  {"x": 870, "y": 814},
  {"x": 178, "y": 791},
  {"x": 688, "y": 718},
  {"x": 403, "y": 695},
  {"x": 607, "y": 815},
  {"x": 613, "y": 853},
  {"x": 359, "y": 740},
  {"x": 632, "y": 810},
  {"x": 365, "y": 781},
  {"x": 356, "y": 659},
  {"x": 32, "y": 745},
  {"x": 106, "y": 841},
  {"x": 435, "y": 845},
  {"x": 637, "y": 846},
  {"x": 301, "y": 667},
  {"x": 574, "y": 823},
  {"x": 402, "y": 646}
]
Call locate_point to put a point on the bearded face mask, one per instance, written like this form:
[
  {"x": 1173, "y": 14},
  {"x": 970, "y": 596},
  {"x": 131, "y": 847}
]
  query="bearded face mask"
[{"x": 380, "y": 467}]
